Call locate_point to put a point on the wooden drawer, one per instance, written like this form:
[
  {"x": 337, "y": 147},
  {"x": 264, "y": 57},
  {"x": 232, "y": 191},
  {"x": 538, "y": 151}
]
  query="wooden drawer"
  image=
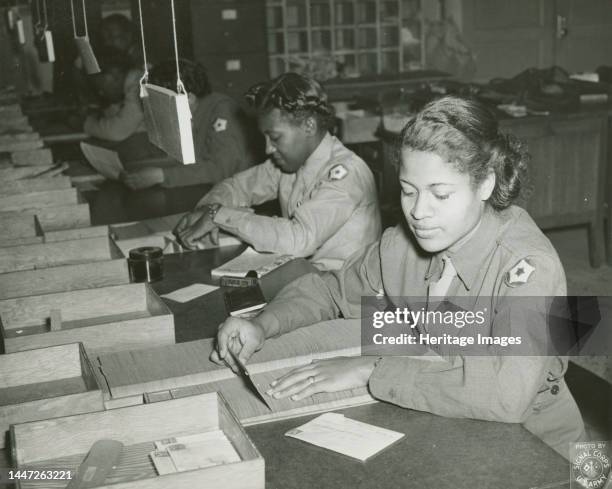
[
  {"x": 64, "y": 442},
  {"x": 46, "y": 383},
  {"x": 235, "y": 74},
  {"x": 228, "y": 27}
]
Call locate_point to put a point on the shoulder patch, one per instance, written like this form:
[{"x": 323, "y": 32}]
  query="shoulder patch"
[
  {"x": 220, "y": 124},
  {"x": 520, "y": 273},
  {"x": 338, "y": 172}
]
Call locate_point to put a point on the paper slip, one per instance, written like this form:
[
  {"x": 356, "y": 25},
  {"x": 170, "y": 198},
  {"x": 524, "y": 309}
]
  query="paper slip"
[
  {"x": 105, "y": 161},
  {"x": 344, "y": 435},
  {"x": 199, "y": 451},
  {"x": 162, "y": 461},
  {"x": 249, "y": 260},
  {"x": 190, "y": 292}
]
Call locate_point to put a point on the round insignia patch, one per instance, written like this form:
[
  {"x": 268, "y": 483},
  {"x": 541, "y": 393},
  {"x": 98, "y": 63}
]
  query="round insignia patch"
[
  {"x": 220, "y": 124},
  {"x": 520, "y": 273},
  {"x": 338, "y": 172}
]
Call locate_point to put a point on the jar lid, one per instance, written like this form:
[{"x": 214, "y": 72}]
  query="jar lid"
[{"x": 146, "y": 253}]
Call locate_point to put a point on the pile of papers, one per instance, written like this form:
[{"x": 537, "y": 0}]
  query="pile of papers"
[{"x": 193, "y": 452}]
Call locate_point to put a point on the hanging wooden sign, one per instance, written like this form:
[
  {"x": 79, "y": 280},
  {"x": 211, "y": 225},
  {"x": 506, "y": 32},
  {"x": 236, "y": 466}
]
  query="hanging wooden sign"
[{"x": 168, "y": 122}]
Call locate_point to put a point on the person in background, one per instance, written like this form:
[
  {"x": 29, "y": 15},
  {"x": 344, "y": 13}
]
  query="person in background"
[
  {"x": 222, "y": 137},
  {"x": 326, "y": 193},
  {"x": 118, "y": 32},
  {"x": 462, "y": 238},
  {"x": 118, "y": 87}
]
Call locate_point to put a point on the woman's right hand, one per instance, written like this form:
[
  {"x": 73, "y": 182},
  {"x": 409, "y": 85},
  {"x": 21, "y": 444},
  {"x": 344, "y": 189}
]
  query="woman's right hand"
[
  {"x": 237, "y": 338},
  {"x": 193, "y": 227}
]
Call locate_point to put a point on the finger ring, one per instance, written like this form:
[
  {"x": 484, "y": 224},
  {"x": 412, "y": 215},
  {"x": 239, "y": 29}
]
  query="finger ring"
[{"x": 311, "y": 379}]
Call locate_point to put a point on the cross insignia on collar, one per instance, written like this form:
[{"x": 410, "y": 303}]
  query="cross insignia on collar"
[{"x": 520, "y": 273}]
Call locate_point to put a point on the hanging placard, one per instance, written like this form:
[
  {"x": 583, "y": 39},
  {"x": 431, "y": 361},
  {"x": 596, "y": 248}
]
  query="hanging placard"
[
  {"x": 20, "y": 31},
  {"x": 168, "y": 122},
  {"x": 167, "y": 113},
  {"x": 90, "y": 63},
  {"x": 11, "y": 18},
  {"x": 43, "y": 38}
]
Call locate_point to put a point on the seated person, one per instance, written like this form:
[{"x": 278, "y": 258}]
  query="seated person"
[
  {"x": 222, "y": 137},
  {"x": 326, "y": 193},
  {"x": 118, "y": 86},
  {"x": 119, "y": 32},
  {"x": 463, "y": 238}
]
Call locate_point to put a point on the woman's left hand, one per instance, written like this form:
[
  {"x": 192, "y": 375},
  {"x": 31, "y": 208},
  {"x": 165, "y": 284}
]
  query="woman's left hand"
[{"x": 331, "y": 375}]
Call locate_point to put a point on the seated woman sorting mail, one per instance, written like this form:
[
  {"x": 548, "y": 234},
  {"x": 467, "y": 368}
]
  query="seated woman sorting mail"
[
  {"x": 462, "y": 238},
  {"x": 222, "y": 137},
  {"x": 326, "y": 192}
]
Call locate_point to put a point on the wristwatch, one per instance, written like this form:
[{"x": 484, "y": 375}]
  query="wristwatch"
[{"x": 212, "y": 210}]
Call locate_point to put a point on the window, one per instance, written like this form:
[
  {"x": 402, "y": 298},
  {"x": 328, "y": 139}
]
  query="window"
[{"x": 344, "y": 38}]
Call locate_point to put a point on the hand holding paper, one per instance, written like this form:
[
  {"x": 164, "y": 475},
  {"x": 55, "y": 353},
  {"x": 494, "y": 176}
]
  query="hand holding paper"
[{"x": 105, "y": 161}]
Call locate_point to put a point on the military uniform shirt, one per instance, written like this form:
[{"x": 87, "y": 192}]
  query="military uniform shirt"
[
  {"x": 329, "y": 206},
  {"x": 221, "y": 144},
  {"x": 528, "y": 389}
]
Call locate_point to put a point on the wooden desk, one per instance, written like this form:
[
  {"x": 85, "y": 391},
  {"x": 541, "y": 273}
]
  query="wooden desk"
[{"x": 436, "y": 452}]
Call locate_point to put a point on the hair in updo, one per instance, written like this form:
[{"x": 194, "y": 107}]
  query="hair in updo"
[
  {"x": 465, "y": 133},
  {"x": 296, "y": 95}
]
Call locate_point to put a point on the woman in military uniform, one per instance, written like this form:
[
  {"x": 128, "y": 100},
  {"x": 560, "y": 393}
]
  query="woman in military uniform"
[
  {"x": 463, "y": 238},
  {"x": 326, "y": 193}
]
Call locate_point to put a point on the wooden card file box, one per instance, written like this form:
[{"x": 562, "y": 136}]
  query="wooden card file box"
[
  {"x": 34, "y": 185},
  {"x": 64, "y": 278},
  {"x": 36, "y": 200},
  {"x": 20, "y": 224},
  {"x": 55, "y": 254},
  {"x": 108, "y": 319},
  {"x": 64, "y": 442},
  {"x": 46, "y": 383},
  {"x": 32, "y": 232}
]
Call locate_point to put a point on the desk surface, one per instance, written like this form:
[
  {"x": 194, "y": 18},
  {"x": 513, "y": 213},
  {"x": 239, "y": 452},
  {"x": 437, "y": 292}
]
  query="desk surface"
[{"x": 435, "y": 453}]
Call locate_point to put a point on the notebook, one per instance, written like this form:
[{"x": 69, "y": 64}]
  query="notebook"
[
  {"x": 242, "y": 300},
  {"x": 251, "y": 260},
  {"x": 105, "y": 161}
]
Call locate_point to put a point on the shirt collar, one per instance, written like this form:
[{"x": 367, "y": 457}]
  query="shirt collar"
[
  {"x": 467, "y": 259},
  {"x": 318, "y": 158}
]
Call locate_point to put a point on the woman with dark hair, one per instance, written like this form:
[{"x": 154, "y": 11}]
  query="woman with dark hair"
[
  {"x": 326, "y": 193},
  {"x": 220, "y": 129},
  {"x": 463, "y": 239}
]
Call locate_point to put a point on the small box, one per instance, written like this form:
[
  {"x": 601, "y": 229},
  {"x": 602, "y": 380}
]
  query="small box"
[
  {"x": 64, "y": 442},
  {"x": 46, "y": 383},
  {"x": 108, "y": 319},
  {"x": 29, "y": 185},
  {"x": 54, "y": 254},
  {"x": 43, "y": 199},
  {"x": 64, "y": 278}
]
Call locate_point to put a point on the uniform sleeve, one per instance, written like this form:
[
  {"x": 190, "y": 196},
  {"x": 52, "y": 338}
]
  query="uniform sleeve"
[
  {"x": 249, "y": 187},
  {"x": 313, "y": 223},
  {"x": 496, "y": 388},
  {"x": 314, "y": 298},
  {"x": 122, "y": 123},
  {"x": 221, "y": 150}
]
